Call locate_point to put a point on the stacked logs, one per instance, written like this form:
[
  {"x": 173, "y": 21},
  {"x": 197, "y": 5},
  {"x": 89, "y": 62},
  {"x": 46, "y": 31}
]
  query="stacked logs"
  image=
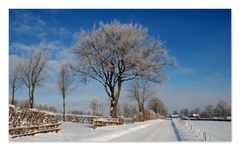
[
  {"x": 105, "y": 121},
  {"x": 73, "y": 119},
  {"x": 30, "y": 117}
]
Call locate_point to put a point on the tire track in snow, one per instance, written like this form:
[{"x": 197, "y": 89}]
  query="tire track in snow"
[{"x": 116, "y": 135}]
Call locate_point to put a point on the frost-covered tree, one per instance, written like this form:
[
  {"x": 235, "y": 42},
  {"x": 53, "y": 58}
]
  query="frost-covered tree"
[
  {"x": 32, "y": 72},
  {"x": 23, "y": 104},
  {"x": 101, "y": 108},
  {"x": 184, "y": 112},
  {"x": 141, "y": 91},
  {"x": 114, "y": 53},
  {"x": 15, "y": 81},
  {"x": 222, "y": 109},
  {"x": 196, "y": 111},
  {"x": 209, "y": 110},
  {"x": 47, "y": 108},
  {"x": 126, "y": 110},
  {"x": 65, "y": 84},
  {"x": 129, "y": 110},
  {"x": 97, "y": 107},
  {"x": 157, "y": 105},
  {"x": 93, "y": 105}
]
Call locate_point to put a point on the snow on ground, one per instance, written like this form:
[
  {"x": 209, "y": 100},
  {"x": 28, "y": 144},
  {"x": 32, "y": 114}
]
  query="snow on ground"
[
  {"x": 148, "y": 131},
  {"x": 156, "y": 130},
  {"x": 220, "y": 130}
]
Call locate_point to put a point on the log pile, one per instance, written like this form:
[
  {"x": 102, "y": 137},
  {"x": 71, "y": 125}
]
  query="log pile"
[
  {"x": 73, "y": 119},
  {"x": 25, "y": 118},
  {"x": 105, "y": 121},
  {"x": 28, "y": 117}
]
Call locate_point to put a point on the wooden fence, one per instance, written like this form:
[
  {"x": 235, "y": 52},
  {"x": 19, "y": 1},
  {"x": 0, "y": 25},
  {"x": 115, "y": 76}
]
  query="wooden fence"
[{"x": 32, "y": 130}]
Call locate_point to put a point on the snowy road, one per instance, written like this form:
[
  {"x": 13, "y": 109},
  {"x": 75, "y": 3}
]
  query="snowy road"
[{"x": 159, "y": 131}]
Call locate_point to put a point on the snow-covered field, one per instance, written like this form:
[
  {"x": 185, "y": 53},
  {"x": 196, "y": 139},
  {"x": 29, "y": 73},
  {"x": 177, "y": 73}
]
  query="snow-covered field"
[
  {"x": 148, "y": 131},
  {"x": 220, "y": 130}
]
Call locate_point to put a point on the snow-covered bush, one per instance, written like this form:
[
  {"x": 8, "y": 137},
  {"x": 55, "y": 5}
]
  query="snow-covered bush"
[
  {"x": 148, "y": 115},
  {"x": 138, "y": 117}
]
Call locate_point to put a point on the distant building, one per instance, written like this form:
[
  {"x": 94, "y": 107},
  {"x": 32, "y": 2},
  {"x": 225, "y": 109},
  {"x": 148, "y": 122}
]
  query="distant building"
[
  {"x": 174, "y": 116},
  {"x": 229, "y": 117},
  {"x": 196, "y": 115}
]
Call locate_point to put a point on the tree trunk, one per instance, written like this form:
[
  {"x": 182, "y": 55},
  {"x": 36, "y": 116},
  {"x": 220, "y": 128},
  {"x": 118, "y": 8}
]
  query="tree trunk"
[
  {"x": 64, "y": 107},
  {"x": 139, "y": 107},
  {"x": 29, "y": 96},
  {"x": 32, "y": 98},
  {"x": 114, "y": 99},
  {"x": 141, "y": 110},
  {"x": 13, "y": 95},
  {"x": 113, "y": 108}
]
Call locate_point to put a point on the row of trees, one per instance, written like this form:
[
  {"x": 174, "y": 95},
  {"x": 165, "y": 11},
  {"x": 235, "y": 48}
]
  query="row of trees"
[
  {"x": 29, "y": 72},
  {"x": 111, "y": 54},
  {"x": 157, "y": 106},
  {"x": 129, "y": 109},
  {"x": 221, "y": 109}
]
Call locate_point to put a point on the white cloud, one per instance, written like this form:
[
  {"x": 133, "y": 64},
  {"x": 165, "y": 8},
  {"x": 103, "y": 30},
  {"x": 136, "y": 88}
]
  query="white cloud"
[
  {"x": 27, "y": 23},
  {"x": 13, "y": 60},
  {"x": 52, "y": 48},
  {"x": 21, "y": 48},
  {"x": 62, "y": 31}
]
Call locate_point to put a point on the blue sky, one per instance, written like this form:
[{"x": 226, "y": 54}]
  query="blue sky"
[{"x": 199, "y": 39}]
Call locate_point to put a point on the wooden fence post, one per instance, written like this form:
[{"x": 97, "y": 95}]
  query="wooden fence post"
[{"x": 204, "y": 136}]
